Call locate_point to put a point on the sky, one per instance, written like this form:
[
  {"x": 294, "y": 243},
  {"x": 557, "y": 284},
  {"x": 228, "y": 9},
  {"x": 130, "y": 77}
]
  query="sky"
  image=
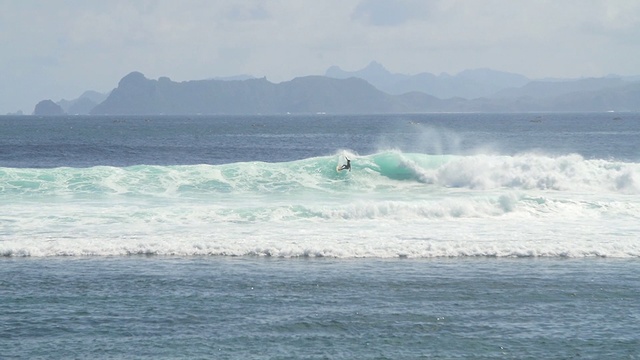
[{"x": 55, "y": 49}]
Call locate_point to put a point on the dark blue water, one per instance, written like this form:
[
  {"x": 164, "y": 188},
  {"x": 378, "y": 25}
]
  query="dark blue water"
[{"x": 79, "y": 141}]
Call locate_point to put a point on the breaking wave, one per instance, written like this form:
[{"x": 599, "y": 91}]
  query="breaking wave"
[{"x": 391, "y": 204}]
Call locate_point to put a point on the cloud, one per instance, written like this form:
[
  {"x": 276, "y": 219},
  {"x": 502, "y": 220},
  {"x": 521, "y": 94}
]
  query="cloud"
[
  {"x": 91, "y": 44},
  {"x": 382, "y": 12},
  {"x": 249, "y": 12}
]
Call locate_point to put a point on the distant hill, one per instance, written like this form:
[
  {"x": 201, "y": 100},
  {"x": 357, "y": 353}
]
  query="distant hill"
[
  {"x": 469, "y": 84},
  {"x": 83, "y": 104},
  {"x": 47, "y": 108},
  {"x": 136, "y": 94},
  {"x": 551, "y": 89},
  {"x": 624, "y": 97}
]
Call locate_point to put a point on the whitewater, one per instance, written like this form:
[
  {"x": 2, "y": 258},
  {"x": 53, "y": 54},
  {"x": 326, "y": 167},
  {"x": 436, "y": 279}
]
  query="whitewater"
[{"x": 393, "y": 204}]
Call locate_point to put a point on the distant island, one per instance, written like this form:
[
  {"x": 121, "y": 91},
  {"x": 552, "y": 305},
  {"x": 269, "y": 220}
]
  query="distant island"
[
  {"x": 137, "y": 95},
  {"x": 48, "y": 108},
  {"x": 372, "y": 90}
]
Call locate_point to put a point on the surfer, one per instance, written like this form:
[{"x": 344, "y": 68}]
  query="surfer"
[{"x": 346, "y": 166}]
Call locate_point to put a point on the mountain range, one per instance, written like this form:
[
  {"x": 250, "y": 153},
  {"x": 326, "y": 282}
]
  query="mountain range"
[
  {"x": 468, "y": 84},
  {"x": 372, "y": 89}
]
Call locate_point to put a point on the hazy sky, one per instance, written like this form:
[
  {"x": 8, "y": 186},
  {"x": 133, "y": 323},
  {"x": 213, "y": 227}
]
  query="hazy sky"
[{"x": 57, "y": 49}]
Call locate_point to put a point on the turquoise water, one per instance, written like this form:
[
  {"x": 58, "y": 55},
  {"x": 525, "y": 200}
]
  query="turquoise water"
[{"x": 454, "y": 236}]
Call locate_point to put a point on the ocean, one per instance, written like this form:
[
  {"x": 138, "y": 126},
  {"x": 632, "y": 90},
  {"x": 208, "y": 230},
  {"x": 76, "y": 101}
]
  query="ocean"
[{"x": 234, "y": 237}]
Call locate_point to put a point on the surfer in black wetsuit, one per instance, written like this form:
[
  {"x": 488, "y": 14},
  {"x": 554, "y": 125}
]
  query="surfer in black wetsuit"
[{"x": 347, "y": 165}]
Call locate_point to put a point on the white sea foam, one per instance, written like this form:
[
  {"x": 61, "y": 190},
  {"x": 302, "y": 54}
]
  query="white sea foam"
[
  {"x": 390, "y": 205},
  {"x": 344, "y": 239}
]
